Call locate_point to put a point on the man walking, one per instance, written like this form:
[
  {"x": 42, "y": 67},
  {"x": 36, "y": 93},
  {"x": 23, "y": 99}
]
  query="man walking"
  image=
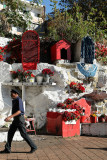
[{"x": 18, "y": 123}]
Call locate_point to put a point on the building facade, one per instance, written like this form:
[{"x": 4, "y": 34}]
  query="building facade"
[{"x": 37, "y": 13}]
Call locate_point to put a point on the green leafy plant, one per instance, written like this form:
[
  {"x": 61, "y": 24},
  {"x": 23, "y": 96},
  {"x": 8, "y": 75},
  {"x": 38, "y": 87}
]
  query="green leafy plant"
[{"x": 73, "y": 25}]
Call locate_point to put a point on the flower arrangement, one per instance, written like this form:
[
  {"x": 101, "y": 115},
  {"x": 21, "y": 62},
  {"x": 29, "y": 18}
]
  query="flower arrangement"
[
  {"x": 47, "y": 71},
  {"x": 68, "y": 101},
  {"x": 3, "y": 49},
  {"x": 101, "y": 53},
  {"x": 69, "y": 104},
  {"x": 93, "y": 114},
  {"x": 67, "y": 116},
  {"x": 21, "y": 74},
  {"x": 77, "y": 87},
  {"x": 1, "y": 58}
]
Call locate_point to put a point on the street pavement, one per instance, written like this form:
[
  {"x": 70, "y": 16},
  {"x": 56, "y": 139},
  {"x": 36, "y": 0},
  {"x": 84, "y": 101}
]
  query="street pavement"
[{"x": 58, "y": 148}]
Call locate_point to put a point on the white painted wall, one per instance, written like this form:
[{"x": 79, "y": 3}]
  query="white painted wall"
[
  {"x": 39, "y": 98},
  {"x": 4, "y": 41}
]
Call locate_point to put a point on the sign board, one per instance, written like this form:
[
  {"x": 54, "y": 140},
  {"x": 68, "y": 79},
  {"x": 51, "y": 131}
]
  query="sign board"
[{"x": 30, "y": 50}]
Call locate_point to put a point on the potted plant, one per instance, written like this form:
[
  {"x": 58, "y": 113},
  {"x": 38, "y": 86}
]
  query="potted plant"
[
  {"x": 14, "y": 75},
  {"x": 102, "y": 118},
  {"x": 32, "y": 78},
  {"x": 93, "y": 118},
  {"x": 70, "y": 117},
  {"x": 39, "y": 79},
  {"x": 21, "y": 75},
  {"x": 46, "y": 74},
  {"x": 77, "y": 87}
]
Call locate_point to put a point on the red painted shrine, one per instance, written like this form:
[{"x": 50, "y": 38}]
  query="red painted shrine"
[
  {"x": 55, "y": 124},
  {"x": 87, "y": 107},
  {"x": 61, "y": 50},
  {"x": 30, "y": 50}
]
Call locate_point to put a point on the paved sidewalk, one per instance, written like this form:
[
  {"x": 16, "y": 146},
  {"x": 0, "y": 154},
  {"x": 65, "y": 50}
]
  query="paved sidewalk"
[{"x": 58, "y": 148}]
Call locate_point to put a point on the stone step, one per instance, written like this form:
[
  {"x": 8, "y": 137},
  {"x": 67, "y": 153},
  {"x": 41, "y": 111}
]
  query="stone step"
[{"x": 67, "y": 65}]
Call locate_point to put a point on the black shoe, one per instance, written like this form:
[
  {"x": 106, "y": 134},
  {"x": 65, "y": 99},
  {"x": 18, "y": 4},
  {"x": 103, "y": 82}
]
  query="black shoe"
[
  {"x": 5, "y": 151},
  {"x": 33, "y": 150}
]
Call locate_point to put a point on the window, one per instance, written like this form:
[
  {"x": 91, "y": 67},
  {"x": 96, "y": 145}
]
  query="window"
[{"x": 38, "y": 15}]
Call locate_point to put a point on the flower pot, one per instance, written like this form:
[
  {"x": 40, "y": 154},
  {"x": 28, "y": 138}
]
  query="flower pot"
[
  {"x": 101, "y": 119},
  {"x": 16, "y": 80},
  {"x": 93, "y": 119},
  {"x": 32, "y": 80},
  {"x": 39, "y": 79},
  {"x": 71, "y": 122},
  {"x": 46, "y": 78}
]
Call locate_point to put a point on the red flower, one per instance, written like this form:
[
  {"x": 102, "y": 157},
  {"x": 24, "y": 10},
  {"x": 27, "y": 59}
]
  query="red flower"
[
  {"x": 101, "y": 53},
  {"x": 67, "y": 116},
  {"x": 77, "y": 87},
  {"x": 47, "y": 71},
  {"x": 68, "y": 101},
  {"x": 32, "y": 75},
  {"x": 1, "y": 58},
  {"x": 19, "y": 70}
]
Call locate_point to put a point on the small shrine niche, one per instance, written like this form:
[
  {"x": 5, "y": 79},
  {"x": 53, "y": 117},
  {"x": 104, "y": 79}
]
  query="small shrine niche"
[
  {"x": 88, "y": 50},
  {"x": 87, "y": 64},
  {"x": 30, "y": 50},
  {"x": 61, "y": 51}
]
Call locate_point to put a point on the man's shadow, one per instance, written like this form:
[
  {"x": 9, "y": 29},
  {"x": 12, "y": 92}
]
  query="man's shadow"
[{"x": 105, "y": 149}]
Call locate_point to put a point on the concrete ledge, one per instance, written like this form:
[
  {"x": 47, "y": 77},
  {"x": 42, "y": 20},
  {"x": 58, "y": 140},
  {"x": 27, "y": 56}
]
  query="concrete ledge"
[
  {"x": 94, "y": 129},
  {"x": 3, "y": 136}
]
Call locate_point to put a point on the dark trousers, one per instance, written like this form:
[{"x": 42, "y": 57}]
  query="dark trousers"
[{"x": 18, "y": 123}]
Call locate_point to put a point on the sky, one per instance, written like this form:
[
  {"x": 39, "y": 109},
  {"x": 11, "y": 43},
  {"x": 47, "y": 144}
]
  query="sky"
[
  {"x": 47, "y": 4},
  {"x": 48, "y": 7}
]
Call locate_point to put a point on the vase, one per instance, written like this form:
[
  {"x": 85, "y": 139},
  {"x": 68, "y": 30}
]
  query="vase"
[
  {"x": 93, "y": 119},
  {"x": 26, "y": 79},
  {"x": 71, "y": 122},
  {"x": 32, "y": 80},
  {"x": 46, "y": 78},
  {"x": 39, "y": 79},
  {"x": 16, "y": 80}
]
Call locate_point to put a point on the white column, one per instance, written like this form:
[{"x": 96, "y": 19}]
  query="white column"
[{"x": 23, "y": 95}]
